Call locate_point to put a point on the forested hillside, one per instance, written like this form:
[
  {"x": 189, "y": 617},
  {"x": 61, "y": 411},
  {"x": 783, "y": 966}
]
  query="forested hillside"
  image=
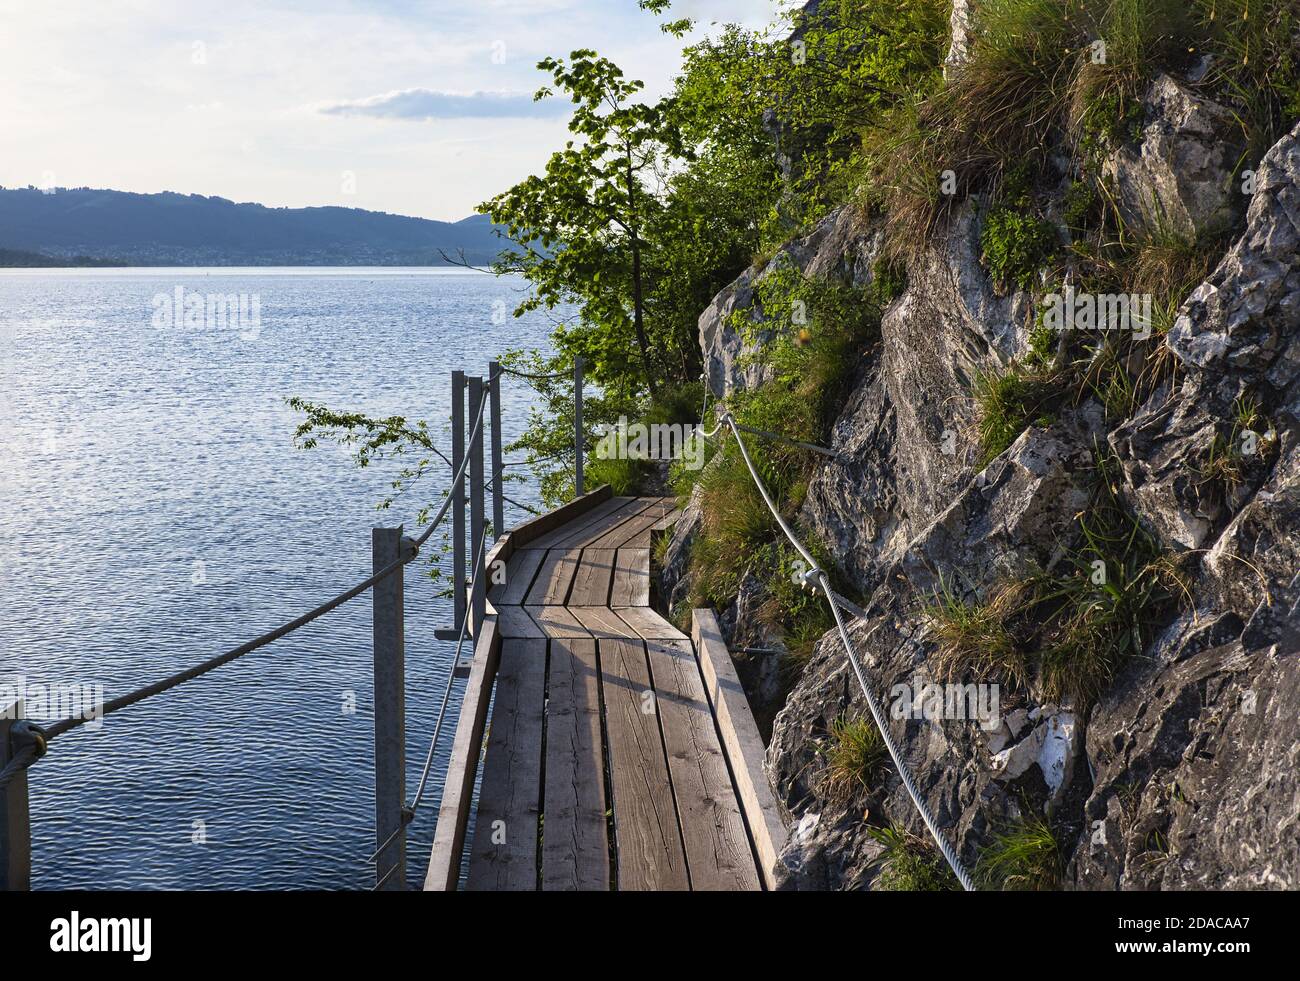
[{"x": 190, "y": 229}]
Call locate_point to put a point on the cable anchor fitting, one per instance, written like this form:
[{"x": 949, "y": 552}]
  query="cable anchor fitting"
[{"x": 25, "y": 734}]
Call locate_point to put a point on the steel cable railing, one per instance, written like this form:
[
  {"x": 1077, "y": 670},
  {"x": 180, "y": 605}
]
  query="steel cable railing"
[
  {"x": 410, "y": 550},
  {"x": 29, "y": 742},
  {"x": 532, "y": 377},
  {"x": 816, "y": 574}
]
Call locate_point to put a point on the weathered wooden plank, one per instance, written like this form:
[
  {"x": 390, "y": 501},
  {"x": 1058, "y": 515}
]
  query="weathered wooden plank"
[
  {"x": 462, "y": 768},
  {"x": 501, "y": 551},
  {"x": 551, "y": 587},
  {"x": 562, "y": 531},
  {"x": 525, "y": 534},
  {"x": 602, "y": 622},
  {"x": 649, "y": 843},
  {"x": 631, "y": 585},
  {"x": 668, "y": 520},
  {"x": 516, "y": 624},
  {"x": 618, "y": 536},
  {"x": 648, "y": 624},
  {"x": 575, "y": 845},
  {"x": 586, "y": 536},
  {"x": 646, "y": 539},
  {"x": 521, "y": 570},
  {"x": 503, "y": 856},
  {"x": 718, "y": 852},
  {"x": 557, "y": 621},
  {"x": 741, "y": 741},
  {"x": 591, "y": 581}
]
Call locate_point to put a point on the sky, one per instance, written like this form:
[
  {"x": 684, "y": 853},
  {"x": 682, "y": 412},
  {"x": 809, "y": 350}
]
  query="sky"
[{"x": 416, "y": 108}]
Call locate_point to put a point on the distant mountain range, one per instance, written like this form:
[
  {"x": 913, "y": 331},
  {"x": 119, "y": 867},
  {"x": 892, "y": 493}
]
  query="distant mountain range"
[{"x": 84, "y": 226}]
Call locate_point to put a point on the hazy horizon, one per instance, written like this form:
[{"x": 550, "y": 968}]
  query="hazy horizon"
[{"x": 422, "y": 109}]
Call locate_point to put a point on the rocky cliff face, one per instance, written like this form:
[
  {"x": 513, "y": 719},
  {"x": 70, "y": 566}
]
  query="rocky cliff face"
[{"x": 1184, "y": 772}]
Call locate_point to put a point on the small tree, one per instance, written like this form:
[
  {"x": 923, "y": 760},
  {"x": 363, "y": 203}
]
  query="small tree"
[{"x": 581, "y": 227}]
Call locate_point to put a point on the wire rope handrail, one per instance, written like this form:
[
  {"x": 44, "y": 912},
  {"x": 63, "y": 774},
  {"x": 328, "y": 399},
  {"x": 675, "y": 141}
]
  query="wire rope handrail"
[
  {"x": 817, "y": 575},
  {"x": 28, "y": 742},
  {"x": 411, "y": 549}
]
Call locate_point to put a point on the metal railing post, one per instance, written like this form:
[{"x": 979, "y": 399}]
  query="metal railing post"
[
  {"x": 458, "y": 497},
  {"x": 478, "y": 596},
  {"x": 498, "y": 469},
  {"x": 390, "y": 712},
  {"x": 15, "y": 820},
  {"x": 577, "y": 426}
]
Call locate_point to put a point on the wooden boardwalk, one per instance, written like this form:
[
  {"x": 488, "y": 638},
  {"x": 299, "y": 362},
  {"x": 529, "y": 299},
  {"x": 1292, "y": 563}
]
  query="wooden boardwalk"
[{"x": 605, "y": 764}]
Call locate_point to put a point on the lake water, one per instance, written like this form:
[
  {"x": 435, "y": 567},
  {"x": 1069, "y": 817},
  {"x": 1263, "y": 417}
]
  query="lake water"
[{"x": 154, "y": 512}]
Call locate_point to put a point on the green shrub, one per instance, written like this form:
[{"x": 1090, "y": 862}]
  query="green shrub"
[
  {"x": 1016, "y": 245},
  {"x": 799, "y": 613},
  {"x": 815, "y": 334},
  {"x": 1081, "y": 206}
]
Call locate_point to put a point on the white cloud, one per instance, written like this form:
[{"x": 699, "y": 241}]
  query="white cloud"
[{"x": 113, "y": 95}]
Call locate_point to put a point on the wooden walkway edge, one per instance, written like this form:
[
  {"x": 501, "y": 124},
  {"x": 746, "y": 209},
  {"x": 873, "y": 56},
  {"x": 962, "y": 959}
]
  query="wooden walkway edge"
[{"x": 622, "y": 753}]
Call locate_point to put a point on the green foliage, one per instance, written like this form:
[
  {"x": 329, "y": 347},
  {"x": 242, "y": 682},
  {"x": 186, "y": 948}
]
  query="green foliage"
[
  {"x": 1016, "y": 244},
  {"x": 624, "y": 476},
  {"x": 1023, "y": 855},
  {"x": 855, "y": 756},
  {"x": 1129, "y": 38},
  {"x": 800, "y": 613},
  {"x": 1108, "y": 608},
  {"x": 367, "y": 440},
  {"x": 995, "y": 114},
  {"x": 1081, "y": 205},
  {"x": 1256, "y": 61},
  {"x": 739, "y": 537},
  {"x": 547, "y": 440},
  {"x": 1011, "y": 401},
  {"x": 584, "y": 227},
  {"x": 675, "y": 405},
  {"x": 652, "y": 208},
  {"x": 735, "y": 522},
  {"x": 1123, "y": 369},
  {"x": 1043, "y": 74},
  {"x": 818, "y": 331},
  {"x": 692, "y": 184},
  {"x": 842, "y": 66},
  {"x": 888, "y": 282},
  {"x": 910, "y": 864}
]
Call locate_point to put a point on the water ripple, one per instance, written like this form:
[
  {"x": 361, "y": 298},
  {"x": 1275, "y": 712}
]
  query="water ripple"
[{"x": 154, "y": 513}]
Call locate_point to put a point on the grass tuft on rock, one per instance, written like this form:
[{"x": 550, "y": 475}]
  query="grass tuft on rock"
[
  {"x": 910, "y": 863},
  {"x": 855, "y": 757},
  {"x": 973, "y": 638},
  {"x": 1022, "y": 856},
  {"x": 1065, "y": 634},
  {"x": 1007, "y": 403}
]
